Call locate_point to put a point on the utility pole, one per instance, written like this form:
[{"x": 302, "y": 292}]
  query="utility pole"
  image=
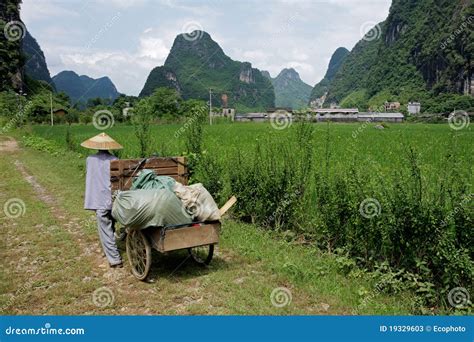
[
  {"x": 210, "y": 106},
  {"x": 51, "y": 103}
]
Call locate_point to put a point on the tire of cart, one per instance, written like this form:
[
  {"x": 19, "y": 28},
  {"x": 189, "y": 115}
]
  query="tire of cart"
[
  {"x": 139, "y": 253},
  {"x": 202, "y": 255}
]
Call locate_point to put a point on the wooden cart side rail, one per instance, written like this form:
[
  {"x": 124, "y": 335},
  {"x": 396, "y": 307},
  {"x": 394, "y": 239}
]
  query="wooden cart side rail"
[
  {"x": 123, "y": 171},
  {"x": 185, "y": 237}
]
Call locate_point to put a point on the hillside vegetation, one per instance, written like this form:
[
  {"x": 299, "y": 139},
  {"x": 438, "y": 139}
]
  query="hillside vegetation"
[
  {"x": 321, "y": 88},
  {"x": 197, "y": 63},
  {"x": 290, "y": 90},
  {"x": 422, "y": 52}
]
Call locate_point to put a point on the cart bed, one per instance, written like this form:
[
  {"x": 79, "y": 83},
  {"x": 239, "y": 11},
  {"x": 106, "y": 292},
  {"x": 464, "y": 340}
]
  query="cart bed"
[{"x": 195, "y": 235}]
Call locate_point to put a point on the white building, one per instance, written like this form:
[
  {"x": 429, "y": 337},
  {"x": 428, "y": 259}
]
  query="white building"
[{"x": 414, "y": 108}]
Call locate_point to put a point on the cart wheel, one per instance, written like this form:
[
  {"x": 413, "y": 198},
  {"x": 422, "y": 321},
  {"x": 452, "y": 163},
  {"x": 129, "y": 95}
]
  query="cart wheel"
[
  {"x": 139, "y": 253},
  {"x": 202, "y": 254}
]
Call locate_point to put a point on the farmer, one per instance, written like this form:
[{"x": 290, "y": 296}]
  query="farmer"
[{"x": 98, "y": 193}]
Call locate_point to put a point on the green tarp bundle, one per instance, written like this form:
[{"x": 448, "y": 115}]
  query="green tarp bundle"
[
  {"x": 145, "y": 208},
  {"x": 147, "y": 179},
  {"x": 151, "y": 202}
]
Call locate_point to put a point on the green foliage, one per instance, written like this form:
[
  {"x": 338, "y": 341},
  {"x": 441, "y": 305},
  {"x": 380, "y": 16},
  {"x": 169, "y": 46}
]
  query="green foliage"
[
  {"x": 161, "y": 76},
  {"x": 271, "y": 183},
  {"x": 165, "y": 103},
  {"x": 35, "y": 63},
  {"x": 122, "y": 107},
  {"x": 420, "y": 52},
  {"x": 290, "y": 90},
  {"x": 38, "y": 108},
  {"x": 98, "y": 101},
  {"x": 196, "y": 112},
  {"x": 211, "y": 174},
  {"x": 335, "y": 63},
  {"x": 142, "y": 119},
  {"x": 9, "y": 104},
  {"x": 307, "y": 182},
  {"x": 356, "y": 99},
  {"x": 42, "y": 145},
  {"x": 71, "y": 143},
  {"x": 10, "y": 50}
]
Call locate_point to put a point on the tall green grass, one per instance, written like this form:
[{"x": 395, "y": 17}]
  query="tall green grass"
[{"x": 397, "y": 201}]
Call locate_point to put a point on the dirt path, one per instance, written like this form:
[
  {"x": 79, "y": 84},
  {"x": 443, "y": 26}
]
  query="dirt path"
[
  {"x": 8, "y": 145},
  {"x": 52, "y": 261},
  {"x": 73, "y": 226},
  {"x": 91, "y": 253},
  {"x": 175, "y": 285}
]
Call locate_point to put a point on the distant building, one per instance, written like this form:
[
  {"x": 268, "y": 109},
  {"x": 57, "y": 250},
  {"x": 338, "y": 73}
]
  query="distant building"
[
  {"x": 414, "y": 108},
  {"x": 261, "y": 117},
  {"x": 255, "y": 117},
  {"x": 335, "y": 110},
  {"x": 280, "y": 113},
  {"x": 337, "y": 117},
  {"x": 353, "y": 115},
  {"x": 228, "y": 113},
  {"x": 327, "y": 114},
  {"x": 126, "y": 109},
  {"x": 392, "y": 106},
  {"x": 60, "y": 112},
  {"x": 380, "y": 117},
  {"x": 280, "y": 110}
]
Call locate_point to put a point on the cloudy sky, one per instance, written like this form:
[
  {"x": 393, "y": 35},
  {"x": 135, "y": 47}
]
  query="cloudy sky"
[{"x": 125, "y": 39}]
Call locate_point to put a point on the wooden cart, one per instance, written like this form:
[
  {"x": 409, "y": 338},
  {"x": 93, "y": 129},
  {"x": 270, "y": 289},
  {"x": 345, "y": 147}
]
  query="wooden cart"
[{"x": 198, "y": 238}]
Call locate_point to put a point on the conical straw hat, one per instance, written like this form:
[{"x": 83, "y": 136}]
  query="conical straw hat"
[{"x": 101, "y": 142}]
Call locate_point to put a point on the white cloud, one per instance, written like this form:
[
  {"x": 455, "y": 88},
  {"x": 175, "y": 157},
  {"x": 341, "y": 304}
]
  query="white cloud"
[
  {"x": 34, "y": 10},
  {"x": 301, "y": 34},
  {"x": 123, "y": 3},
  {"x": 153, "y": 48}
]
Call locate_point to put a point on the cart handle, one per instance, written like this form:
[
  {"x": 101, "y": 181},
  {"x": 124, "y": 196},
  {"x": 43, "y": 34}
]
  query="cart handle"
[{"x": 228, "y": 205}]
